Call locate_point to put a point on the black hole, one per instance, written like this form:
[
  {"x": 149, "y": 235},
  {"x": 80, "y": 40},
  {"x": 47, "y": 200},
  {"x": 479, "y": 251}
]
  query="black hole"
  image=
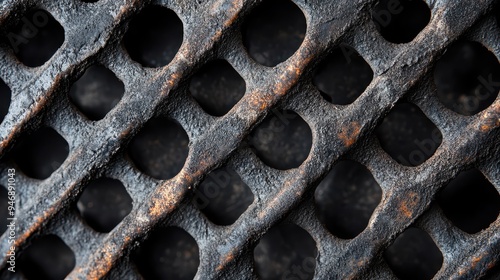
[
  {"x": 343, "y": 76},
  {"x": 470, "y": 201},
  {"x": 104, "y": 203},
  {"x": 217, "y": 87},
  {"x": 36, "y": 37},
  {"x": 274, "y": 31},
  {"x": 346, "y": 198},
  {"x": 47, "y": 257},
  {"x": 96, "y": 92},
  {"x": 4, "y": 213},
  {"x": 285, "y": 252},
  {"x": 160, "y": 148},
  {"x": 400, "y": 21},
  {"x": 154, "y": 36},
  {"x": 467, "y": 78},
  {"x": 169, "y": 253},
  {"x": 41, "y": 153},
  {"x": 283, "y": 140},
  {"x": 5, "y": 97},
  {"x": 90, "y": 1},
  {"x": 414, "y": 255},
  {"x": 408, "y": 136},
  {"x": 223, "y": 196}
]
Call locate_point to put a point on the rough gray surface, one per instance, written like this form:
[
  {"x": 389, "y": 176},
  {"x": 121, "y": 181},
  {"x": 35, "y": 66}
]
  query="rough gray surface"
[{"x": 93, "y": 34}]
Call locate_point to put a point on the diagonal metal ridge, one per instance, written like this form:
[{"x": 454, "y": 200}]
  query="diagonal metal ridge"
[{"x": 212, "y": 31}]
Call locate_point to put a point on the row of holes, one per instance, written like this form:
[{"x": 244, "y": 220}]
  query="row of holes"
[
  {"x": 345, "y": 200},
  {"x": 465, "y": 78}
]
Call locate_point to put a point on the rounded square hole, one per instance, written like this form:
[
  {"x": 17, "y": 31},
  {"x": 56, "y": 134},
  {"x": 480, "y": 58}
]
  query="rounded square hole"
[
  {"x": 154, "y": 36},
  {"x": 104, "y": 203},
  {"x": 274, "y": 31},
  {"x": 282, "y": 140},
  {"x": 96, "y": 92},
  {"x": 5, "y": 98},
  {"x": 286, "y": 251},
  {"x": 40, "y": 153},
  {"x": 47, "y": 258},
  {"x": 343, "y": 76},
  {"x": 470, "y": 201},
  {"x": 217, "y": 87},
  {"x": 346, "y": 198},
  {"x": 222, "y": 196},
  {"x": 408, "y": 136},
  {"x": 414, "y": 255},
  {"x": 36, "y": 37},
  {"x": 168, "y": 253}
]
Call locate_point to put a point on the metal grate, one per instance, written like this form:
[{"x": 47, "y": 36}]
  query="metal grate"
[{"x": 211, "y": 29}]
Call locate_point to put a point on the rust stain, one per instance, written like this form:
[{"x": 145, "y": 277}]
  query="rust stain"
[
  {"x": 225, "y": 261},
  {"x": 407, "y": 205},
  {"x": 490, "y": 119},
  {"x": 350, "y": 133}
]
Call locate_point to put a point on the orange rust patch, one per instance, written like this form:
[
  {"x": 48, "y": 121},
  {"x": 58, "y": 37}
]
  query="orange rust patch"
[
  {"x": 226, "y": 260},
  {"x": 349, "y": 134},
  {"x": 490, "y": 119},
  {"x": 406, "y": 205}
]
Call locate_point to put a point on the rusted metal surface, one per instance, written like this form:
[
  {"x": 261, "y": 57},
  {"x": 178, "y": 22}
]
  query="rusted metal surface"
[{"x": 211, "y": 29}]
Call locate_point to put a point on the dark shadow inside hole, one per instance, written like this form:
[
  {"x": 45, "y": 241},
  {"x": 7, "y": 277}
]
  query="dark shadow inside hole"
[
  {"x": 5, "y": 97},
  {"x": 41, "y": 153},
  {"x": 217, "y": 87},
  {"x": 400, "y": 21},
  {"x": 282, "y": 141},
  {"x": 160, "y": 148},
  {"x": 346, "y": 199},
  {"x": 274, "y": 31},
  {"x": 4, "y": 211},
  {"x": 90, "y": 1},
  {"x": 286, "y": 251},
  {"x": 168, "y": 253},
  {"x": 96, "y": 92},
  {"x": 408, "y": 136},
  {"x": 343, "y": 76},
  {"x": 36, "y": 37},
  {"x": 466, "y": 77},
  {"x": 47, "y": 258},
  {"x": 223, "y": 196},
  {"x": 154, "y": 36},
  {"x": 414, "y": 255},
  {"x": 470, "y": 201},
  {"x": 104, "y": 203}
]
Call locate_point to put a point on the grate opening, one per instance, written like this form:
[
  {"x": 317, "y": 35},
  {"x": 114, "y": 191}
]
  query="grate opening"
[
  {"x": 168, "y": 253},
  {"x": 47, "y": 258},
  {"x": 217, "y": 87},
  {"x": 346, "y": 198},
  {"x": 470, "y": 201},
  {"x": 408, "y": 136},
  {"x": 160, "y": 148},
  {"x": 414, "y": 255},
  {"x": 274, "y": 31},
  {"x": 286, "y": 251},
  {"x": 96, "y": 92},
  {"x": 5, "y": 97},
  {"x": 36, "y": 37},
  {"x": 466, "y": 77},
  {"x": 41, "y": 153},
  {"x": 343, "y": 76},
  {"x": 222, "y": 196},
  {"x": 154, "y": 36},
  {"x": 282, "y": 141},
  {"x": 90, "y": 1},
  {"x": 400, "y": 21},
  {"x": 3, "y": 209},
  {"x": 104, "y": 203}
]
